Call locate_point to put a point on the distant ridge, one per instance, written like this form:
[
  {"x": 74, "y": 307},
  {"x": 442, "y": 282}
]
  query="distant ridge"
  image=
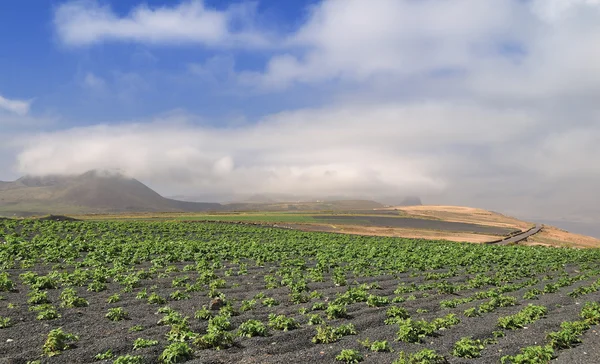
[
  {"x": 101, "y": 192},
  {"x": 91, "y": 192}
]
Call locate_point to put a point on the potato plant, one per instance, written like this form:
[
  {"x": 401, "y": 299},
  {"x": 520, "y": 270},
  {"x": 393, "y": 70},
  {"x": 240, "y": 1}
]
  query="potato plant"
[{"x": 202, "y": 288}]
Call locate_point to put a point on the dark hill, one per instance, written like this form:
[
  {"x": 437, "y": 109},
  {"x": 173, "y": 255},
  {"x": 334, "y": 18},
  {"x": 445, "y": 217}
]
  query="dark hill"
[{"x": 91, "y": 192}]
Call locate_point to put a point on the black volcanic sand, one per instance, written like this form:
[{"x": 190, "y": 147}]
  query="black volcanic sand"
[
  {"x": 58, "y": 218},
  {"x": 97, "y": 334},
  {"x": 412, "y": 223}
]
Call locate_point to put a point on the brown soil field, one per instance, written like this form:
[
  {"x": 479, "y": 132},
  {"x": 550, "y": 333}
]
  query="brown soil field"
[
  {"x": 466, "y": 215},
  {"x": 553, "y": 236}
]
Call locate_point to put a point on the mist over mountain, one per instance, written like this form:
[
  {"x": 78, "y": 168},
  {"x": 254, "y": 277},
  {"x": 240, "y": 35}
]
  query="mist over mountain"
[{"x": 91, "y": 192}]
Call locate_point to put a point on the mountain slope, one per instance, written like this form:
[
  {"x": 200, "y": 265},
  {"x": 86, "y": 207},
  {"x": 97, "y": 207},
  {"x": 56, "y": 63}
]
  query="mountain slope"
[{"x": 91, "y": 192}]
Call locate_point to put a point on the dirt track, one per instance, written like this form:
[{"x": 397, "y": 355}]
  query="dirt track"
[{"x": 412, "y": 223}]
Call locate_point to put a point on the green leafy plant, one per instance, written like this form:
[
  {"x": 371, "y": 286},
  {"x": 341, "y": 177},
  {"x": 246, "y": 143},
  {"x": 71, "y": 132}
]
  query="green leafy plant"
[
  {"x": 176, "y": 353},
  {"x": 216, "y": 339},
  {"x": 97, "y": 287},
  {"x": 467, "y": 347},
  {"x": 45, "y": 312},
  {"x": 471, "y": 312},
  {"x": 58, "y": 341},
  {"x": 349, "y": 356},
  {"x": 141, "y": 343},
  {"x": 327, "y": 334},
  {"x": 319, "y": 306},
  {"x": 156, "y": 299},
  {"x": 529, "y": 314},
  {"x": 129, "y": 359},
  {"x": 282, "y": 322},
  {"x": 69, "y": 298},
  {"x": 425, "y": 356},
  {"x": 591, "y": 313},
  {"x": 315, "y": 319},
  {"x": 335, "y": 311},
  {"x": 178, "y": 295},
  {"x": 248, "y": 305},
  {"x": 531, "y": 355},
  {"x": 117, "y": 314},
  {"x": 203, "y": 314},
  {"x": 5, "y": 322},
  {"x": 108, "y": 354},
  {"x": 568, "y": 336},
  {"x": 377, "y": 301},
  {"x": 377, "y": 346},
  {"x": 270, "y": 302},
  {"x": 252, "y": 328},
  {"x": 114, "y": 298},
  {"x": 37, "y": 298},
  {"x": 5, "y": 283}
]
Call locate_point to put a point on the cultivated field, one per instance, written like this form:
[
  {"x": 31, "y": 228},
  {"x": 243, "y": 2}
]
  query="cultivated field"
[
  {"x": 469, "y": 225},
  {"x": 147, "y": 292}
]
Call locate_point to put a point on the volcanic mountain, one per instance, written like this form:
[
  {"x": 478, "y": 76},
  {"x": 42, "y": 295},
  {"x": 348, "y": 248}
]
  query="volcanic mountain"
[{"x": 91, "y": 192}]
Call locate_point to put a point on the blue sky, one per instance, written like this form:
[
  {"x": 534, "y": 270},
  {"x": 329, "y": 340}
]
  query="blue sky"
[
  {"x": 472, "y": 102},
  {"x": 44, "y": 68}
]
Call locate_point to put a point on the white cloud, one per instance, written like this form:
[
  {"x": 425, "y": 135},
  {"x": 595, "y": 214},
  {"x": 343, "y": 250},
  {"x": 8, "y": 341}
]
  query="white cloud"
[
  {"x": 86, "y": 22},
  {"x": 93, "y": 82},
  {"x": 374, "y": 150},
  {"x": 498, "y": 48},
  {"x": 19, "y": 107},
  {"x": 356, "y": 39}
]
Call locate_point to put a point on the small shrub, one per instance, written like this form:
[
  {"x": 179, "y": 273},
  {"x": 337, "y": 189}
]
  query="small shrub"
[
  {"x": 531, "y": 355},
  {"x": 37, "y": 298},
  {"x": 252, "y": 328},
  {"x": 70, "y": 299},
  {"x": 203, "y": 314},
  {"x": 108, "y": 354},
  {"x": 178, "y": 296},
  {"x": 219, "y": 323},
  {"x": 156, "y": 299},
  {"x": 325, "y": 335},
  {"x": 425, "y": 356},
  {"x": 140, "y": 343},
  {"x": 345, "y": 330},
  {"x": 377, "y": 346},
  {"x": 58, "y": 341},
  {"x": 270, "y": 302},
  {"x": 172, "y": 318},
  {"x": 97, "y": 287},
  {"x": 467, "y": 347},
  {"x": 129, "y": 359},
  {"x": 529, "y": 314},
  {"x": 248, "y": 305},
  {"x": 5, "y": 322},
  {"x": 349, "y": 356},
  {"x": 116, "y": 314},
  {"x": 377, "y": 301},
  {"x": 319, "y": 306},
  {"x": 591, "y": 313},
  {"x": 336, "y": 311},
  {"x": 114, "y": 298},
  {"x": 176, "y": 353},
  {"x": 216, "y": 339},
  {"x": 45, "y": 312},
  {"x": 315, "y": 319},
  {"x": 568, "y": 336},
  {"x": 498, "y": 334},
  {"x": 5, "y": 283},
  {"x": 282, "y": 322}
]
